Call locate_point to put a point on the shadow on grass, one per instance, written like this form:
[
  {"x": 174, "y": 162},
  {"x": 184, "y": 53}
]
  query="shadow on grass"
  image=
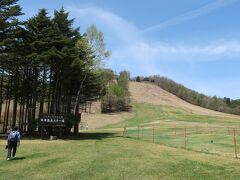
[
  {"x": 19, "y": 158},
  {"x": 90, "y": 135},
  {"x": 79, "y": 136}
]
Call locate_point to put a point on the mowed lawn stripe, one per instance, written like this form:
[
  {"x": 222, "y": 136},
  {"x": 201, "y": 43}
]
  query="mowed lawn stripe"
[{"x": 113, "y": 158}]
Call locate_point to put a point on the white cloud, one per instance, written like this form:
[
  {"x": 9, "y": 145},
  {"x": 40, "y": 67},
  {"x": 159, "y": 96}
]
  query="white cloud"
[
  {"x": 223, "y": 48},
  {"x": 147, "y": 57},
  {"x": 113, "y": 24},
  {"x": 131, "y": 51},
  {"x": 190, "y": 15}
]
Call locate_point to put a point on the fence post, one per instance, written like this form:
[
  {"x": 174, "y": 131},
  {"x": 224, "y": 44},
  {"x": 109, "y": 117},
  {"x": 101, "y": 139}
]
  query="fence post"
[
  {"x": 235, "y": 144},
  {"x": 138, "y": 132},
  {"x": 185, "y": 136},
  {"x": 153, "y": 135},
  {"x": 124, "y": 131},
  {"x": 142, "y": 131}
]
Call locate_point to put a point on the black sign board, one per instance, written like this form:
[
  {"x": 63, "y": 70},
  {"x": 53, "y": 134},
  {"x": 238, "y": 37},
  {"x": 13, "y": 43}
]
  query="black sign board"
[{"x": 52, "y": 120}]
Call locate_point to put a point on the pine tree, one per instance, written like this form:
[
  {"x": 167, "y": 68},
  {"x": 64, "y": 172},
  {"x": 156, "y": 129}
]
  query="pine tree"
[
  {"x": 45, "y": 60},
  {"x": 11, "y": 53}
]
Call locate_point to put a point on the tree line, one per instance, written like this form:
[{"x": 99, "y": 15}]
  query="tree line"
[
  {"x": 46, "y": 66},
  {"x": 225, "y": 104}
]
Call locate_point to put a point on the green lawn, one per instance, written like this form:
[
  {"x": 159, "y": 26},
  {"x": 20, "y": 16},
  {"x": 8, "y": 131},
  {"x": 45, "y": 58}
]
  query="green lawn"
[
  {"x": 207, "y": 134},
  {"x": 166, "y": 115},
  {"x": 213, "y": 142},
  {"x": 105, "y": 156}
]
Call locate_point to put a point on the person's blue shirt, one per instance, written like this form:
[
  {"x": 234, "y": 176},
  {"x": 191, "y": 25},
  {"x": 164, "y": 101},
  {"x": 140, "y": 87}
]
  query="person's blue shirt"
[{"x": 14, "y": 136}]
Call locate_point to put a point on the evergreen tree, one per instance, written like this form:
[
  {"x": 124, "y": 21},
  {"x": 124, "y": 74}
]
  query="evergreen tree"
[
  {"x": 9, "y": 28},
  {"x": 45, "y": 60},
  {"x": 11, "y": 55}
]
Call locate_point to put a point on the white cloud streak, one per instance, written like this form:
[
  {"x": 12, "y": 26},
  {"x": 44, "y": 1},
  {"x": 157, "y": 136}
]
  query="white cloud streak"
[
  {"x": 224, "y": 48},
  {"x": 190, "y": 15},
  {"x": 115, "y": 25},
  {"x": 131, "y": 51}
]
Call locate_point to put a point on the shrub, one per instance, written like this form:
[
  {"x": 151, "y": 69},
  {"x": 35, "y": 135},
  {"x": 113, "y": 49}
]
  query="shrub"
[
  {"x": 112, "y": 103},
  {"x": 117, "y": 96},
  {"x": 138, "y": 79}
]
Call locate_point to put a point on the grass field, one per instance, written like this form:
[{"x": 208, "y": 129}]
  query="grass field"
[
  {"x": 149, "y": 114},
  {"x": 107, "y": 156},
  {"x": 153, "y": 146},
  {"x": 213, "y": 142},
  {"x": 204, "y": 133}
]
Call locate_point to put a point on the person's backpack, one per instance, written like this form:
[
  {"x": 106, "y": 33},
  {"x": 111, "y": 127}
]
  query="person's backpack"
[{"x": 13, "y": 136}]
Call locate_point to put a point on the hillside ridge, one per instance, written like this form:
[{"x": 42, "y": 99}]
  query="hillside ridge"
[
  {"x": 143, "y": 92},
  {"x": 153, "y": 94}
]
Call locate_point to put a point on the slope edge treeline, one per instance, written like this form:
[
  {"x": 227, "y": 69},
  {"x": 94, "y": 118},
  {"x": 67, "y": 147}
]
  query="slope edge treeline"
[{"x": 214, "y": 103}]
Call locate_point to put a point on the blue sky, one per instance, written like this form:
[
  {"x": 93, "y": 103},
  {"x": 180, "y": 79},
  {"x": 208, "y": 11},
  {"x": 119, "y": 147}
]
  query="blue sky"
[{"x": 196, "y": 43}]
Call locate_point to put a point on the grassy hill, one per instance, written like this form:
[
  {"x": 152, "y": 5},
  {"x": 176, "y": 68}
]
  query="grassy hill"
[
  {"x": 225, "y": 104},
  {"x": 103, "y": 153},
  {"x": 169, "y": 117},
  {"x": 152, "y": 103},
  {"x": 153, "y": 94}
]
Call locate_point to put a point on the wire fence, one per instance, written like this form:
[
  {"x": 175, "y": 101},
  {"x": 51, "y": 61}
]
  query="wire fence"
[{"x": 214, "y": 140}]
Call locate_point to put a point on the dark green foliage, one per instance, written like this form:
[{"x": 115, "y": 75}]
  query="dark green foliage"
[
  {"x": 11, "y": 55},
  {"x": 138, "y": 79},
  {"x": 46, "y": 67},
  {"x": 10, "y": 29},
  {"x": 113, "y": 103},
  {"x": 215, "y": 103}
]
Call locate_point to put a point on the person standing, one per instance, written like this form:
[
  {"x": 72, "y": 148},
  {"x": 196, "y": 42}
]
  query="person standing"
[{"x": 12, "y": 142}]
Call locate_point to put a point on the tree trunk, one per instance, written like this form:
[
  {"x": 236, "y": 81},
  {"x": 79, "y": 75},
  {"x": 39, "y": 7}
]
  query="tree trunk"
[
  {"x": 20, "y": 113},
  {"x": 34, "y": 100},
  {"x": 53, "y": 95},
  {"x": 26, "y": 115},
  {"x": 76, "y": 109},
  {"x": 49, "y": 91},
  {"x": 15, "y": 98},
  {"x": 8, "y": 101},
  {"x": 1, "y": 94},
  {"x": 43, "y": 92},
  {"x": 24, "y": 99},
  {"x": 76, "y": 124},
  {"x": 27, "y": 99}
]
